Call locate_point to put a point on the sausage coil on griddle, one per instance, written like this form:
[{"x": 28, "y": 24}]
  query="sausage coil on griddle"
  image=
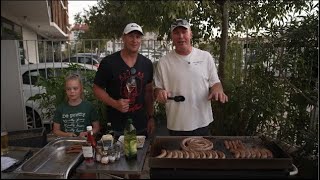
[{"x": 196, "y": 144}]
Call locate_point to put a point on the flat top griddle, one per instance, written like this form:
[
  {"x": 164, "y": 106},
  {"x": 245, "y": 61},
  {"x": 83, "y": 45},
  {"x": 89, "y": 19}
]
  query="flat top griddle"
[{"x": 280, "y": 160}]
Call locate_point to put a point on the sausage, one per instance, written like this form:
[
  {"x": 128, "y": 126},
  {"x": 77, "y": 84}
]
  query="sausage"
[
  {"x": 208, "y": 154},
  {"x": 180, "y": 154},
  {"x": 264, "y": 154},
  {"x": 75, "y": 146},
  {"x": 240, "y": 144},
  {"x": 185, "y": 154},
  {"x": 214, "y": 154},
  {"x": 236, "y": 153},
  {"x": 226, "y": 144},
  {"x": 73, "y": 151},
  {"x": 234, "y": 144},
  {"x": 269, "y": 153},
  {"x": 191, "y": 154},
  {"x": 202, "y": 155},
  {"x": 162, "y": 154},
  {"x": 196, "y": 144},
  {"x": 248, "y": 153},
  {"x": 169, "y": 154},
  {"x": 196, "y": 154},
  {"x": 230, "y": 144},
  {"x": 258, "y": 153},
  {"x": 242, "y": 153},
  {"x": 174, "y": 154},
  {"x": 253, "y": 153},
  {"x": 221, "y": 155}
]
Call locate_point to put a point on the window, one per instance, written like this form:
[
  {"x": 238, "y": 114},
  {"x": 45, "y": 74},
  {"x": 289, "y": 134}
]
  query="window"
[
  {"x": 10, "y": 30},
  {"x": 34, "y": 75}
]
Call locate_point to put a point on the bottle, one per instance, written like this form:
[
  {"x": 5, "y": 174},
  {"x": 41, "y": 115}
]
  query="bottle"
[
  {"x": 109, "y": 129},
  {"x": 88, "y": 149},
  {"x": 130, "y": 140},
  {"x": 90, "y": 137}
]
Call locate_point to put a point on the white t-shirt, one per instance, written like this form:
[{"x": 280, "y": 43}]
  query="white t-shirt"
[{"x": 190, "y": 76}]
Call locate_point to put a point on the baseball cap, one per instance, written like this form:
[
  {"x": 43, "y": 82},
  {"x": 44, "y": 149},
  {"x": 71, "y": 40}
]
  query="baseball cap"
[
  {"x": 132, "y": 27},
  {"x": 180, "y": 23}
]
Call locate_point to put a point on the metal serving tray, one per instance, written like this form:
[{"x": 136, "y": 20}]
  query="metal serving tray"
[
  {"x": 52, "y": 160},
  {"x": 280, "y": 161}
]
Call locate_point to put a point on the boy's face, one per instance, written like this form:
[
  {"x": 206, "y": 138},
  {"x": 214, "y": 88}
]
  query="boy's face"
[{"x": 73, "y": 89}]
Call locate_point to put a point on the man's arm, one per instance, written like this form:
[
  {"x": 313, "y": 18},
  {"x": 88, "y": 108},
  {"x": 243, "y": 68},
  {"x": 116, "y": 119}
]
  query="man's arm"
[
  {"x": 216, "y": 93},
  {"x": 149, "y": 101},
  {"x": 121, "y": 105}
]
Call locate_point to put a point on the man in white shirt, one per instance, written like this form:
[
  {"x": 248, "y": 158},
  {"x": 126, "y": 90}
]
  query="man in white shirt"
[{"x": 189, "y": 72}]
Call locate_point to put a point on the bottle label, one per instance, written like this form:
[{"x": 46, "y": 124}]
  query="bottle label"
[
  {"x": 87, "y": 151},
  {"x": 107, "y": 144},
  {"x": 130, "y": 148}
]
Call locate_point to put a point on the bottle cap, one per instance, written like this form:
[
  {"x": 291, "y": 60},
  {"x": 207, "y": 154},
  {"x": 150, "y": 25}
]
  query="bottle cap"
[{"x": 89, "y": 128}]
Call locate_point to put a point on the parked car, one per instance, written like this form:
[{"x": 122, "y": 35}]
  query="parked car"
[
  {"x": 84, "y": 59},
  {"x": 152, "y": 55},
  {"x": 30, "y": 74},
  {"x": 94, "y": 55}
]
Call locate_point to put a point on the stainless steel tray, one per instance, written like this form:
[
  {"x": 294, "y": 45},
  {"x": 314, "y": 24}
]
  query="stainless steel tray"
[{"x": 52, "y": 160}]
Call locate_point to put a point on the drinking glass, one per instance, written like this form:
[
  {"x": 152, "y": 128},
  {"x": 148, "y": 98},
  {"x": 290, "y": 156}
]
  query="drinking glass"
[
  {"x": 131, "y": 85},
  {"x": 4, "y": 142}
]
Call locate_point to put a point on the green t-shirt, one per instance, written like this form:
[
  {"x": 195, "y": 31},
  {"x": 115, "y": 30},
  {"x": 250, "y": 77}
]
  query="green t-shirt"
[{"x": 75, "y": 118}]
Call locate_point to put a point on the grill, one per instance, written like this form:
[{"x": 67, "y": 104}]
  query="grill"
[{"x": 276, "y": 167}]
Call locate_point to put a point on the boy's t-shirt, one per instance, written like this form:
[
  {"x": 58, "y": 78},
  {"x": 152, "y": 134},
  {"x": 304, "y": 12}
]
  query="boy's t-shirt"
[{"x": 75, "y": 118}]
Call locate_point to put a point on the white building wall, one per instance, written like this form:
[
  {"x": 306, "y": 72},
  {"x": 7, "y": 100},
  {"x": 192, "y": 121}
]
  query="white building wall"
[{"x": 30, "y": 46}]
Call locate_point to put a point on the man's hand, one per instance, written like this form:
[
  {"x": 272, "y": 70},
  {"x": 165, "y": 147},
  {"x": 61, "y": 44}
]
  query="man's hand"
[
  {"x": 122, "y": 105},
  {"x": 217, "y": 94},
  {"x": 162, "y": 95}
]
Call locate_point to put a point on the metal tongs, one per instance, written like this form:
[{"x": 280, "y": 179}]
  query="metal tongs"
[{"x": 177, "y": 98}]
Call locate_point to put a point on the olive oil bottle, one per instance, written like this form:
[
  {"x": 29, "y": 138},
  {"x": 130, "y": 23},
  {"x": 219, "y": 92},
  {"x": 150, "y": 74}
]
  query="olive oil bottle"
[{"x": 130, "y": 141}]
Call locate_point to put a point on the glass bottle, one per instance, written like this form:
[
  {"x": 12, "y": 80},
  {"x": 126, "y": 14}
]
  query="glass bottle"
[
  {"x": 130, "y": 140},
  {"x": 90, "y": 137},
  {"x": 109, "y": 129},
  {"x": 88, "y": 149}
]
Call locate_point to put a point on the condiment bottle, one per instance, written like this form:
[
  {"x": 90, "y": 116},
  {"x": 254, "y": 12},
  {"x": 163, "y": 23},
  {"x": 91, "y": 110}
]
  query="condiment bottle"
[
  {"x": 88, "y": 149},
  {"x": 130, "y": 141}
]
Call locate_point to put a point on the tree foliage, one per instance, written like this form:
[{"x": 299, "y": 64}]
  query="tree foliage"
[{"x": 108, "y": 18}]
